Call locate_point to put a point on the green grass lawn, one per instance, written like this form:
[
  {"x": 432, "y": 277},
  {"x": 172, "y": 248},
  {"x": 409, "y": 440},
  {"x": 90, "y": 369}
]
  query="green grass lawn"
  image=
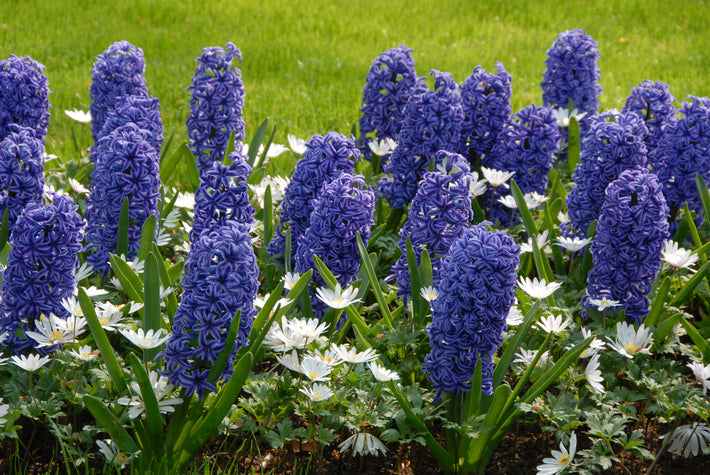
[{"x": 305, "y": 62}]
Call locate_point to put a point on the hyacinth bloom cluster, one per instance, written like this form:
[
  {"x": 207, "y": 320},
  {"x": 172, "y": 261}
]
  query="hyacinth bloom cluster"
[
  {"x": 126, "y": 167},
  {"x": 607, "y": 150},
  {"x": 139, "y": 109},
  {"x": 344, "y": 208},
  {"x": 21, "y": 171},
  {"x": 216, "y": 104},
  {"x": 525, "y": 145},
  {"x": 572, "y": 73},
  {"x": 686, "y": 149},
  {"x": 432, "y": 122},
  {"x": 632, "y": 229},
  {"x": 485, "y": 98},
  {"x": 476, "y": 292},
  {"x": 221, "y": 278},
  {"x": 41, "y": 264},
  {"x": 24, "y": 95},
  {"x": 117, "y": 72},
  {"x": 653, "y": 102},
  {"x": 439, "y": 214},
  {"x": 390, "y": 83},
  {"x": 325, "y": 159},
  {"x": 222, "y": 196}
]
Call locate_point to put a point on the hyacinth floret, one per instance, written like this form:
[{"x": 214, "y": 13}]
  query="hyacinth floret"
[
  {"x": 117, "y": 72},
  {"x": 525, "y": 145},
  {"x": 439, "y": 214},
  {"x": 686, "y": 148},
  {"x": 572, "y": 73},
  {"x": 344, "y": 208},
  {"x": 631, "y": 231},
  {"x": 126, "y": 167},
  {"x": 223, "y": 195},
  {"x": 608, "y": 148},
  {"x": 476, "y": 292},
  {"x": 21, "y": 171},
  {"x": 325, "y": 159},
  {"x": 653, "y": 102},
  {"x": 390, "y": 82},
  {"x": 432, "y": 122},
  {"x": 41, "y": 264},
  {"x": 139, "y": 109},
  {"x": 216, "y": 104},
  {"x": 485, "y": 98},
  {"x": 221, "y": 278},
  {"x": 24, "y": 95}
]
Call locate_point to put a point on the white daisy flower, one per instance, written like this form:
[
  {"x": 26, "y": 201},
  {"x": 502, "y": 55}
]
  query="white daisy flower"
[
  {"x": 307, "y": 329},
  {"x": 604, "y": 303},
  {"x": 298, "y": 146},
  {"x": 381, "y": 373},
  {"x": 85, "y": 353},
  {"x": 690, "y": 439},
  {"x": 382, "y": 147},
  {"x": 594, "y": 374},
  {"x": 572, "y": 244},
  {"x": 330, "y": 357},
  {"x": 315, "y": 369},
  {"x": 496, "y": 177},
  {"x": 290, "y": 360},
  {"x": 560, "y": 460},
  {"x": 362, "y": 443},
  {"x": 275, "y": 149},
  {"x": 30, "y": 363},
  {"x": 594, "y": 347},
  {"x": 515, "y": 317},
  {"x": 318, "y": 392},
  {"x": 161, "y": 388},
  {"x": 678, "y": 257},
  {"x": 51, "y": 331},
  {"x": 79, "y": 115},
  {"x": 563, "y": 116},
  {"x": 290, "y": 279},
  {"x": 428, "y": 293},
  {"x": 630, "y": 342},
  {"x": 534, "y": 199},
  {"x": 702, "y": 374},
  {"x": 508, "y": 201},
  {"x": 185, "y": 200},
  {"x": 526, "y": 357},
  {"x": 78, "y": 187},
  {"x": 337, "y": 298},
  {"x": 112, "y": 453},
  {"x": 540, "y": 239},
  {"x": 110, "y": 317},
  {"x": 351, "y": 355},
  {"x": 537, "y": 289},
  {"x": 146, "y": 340},
  {"x": 477, "y": 187},
  {"x": 553, "y": 324}
]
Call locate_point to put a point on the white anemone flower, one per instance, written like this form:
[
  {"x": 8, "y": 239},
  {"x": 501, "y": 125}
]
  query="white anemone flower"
[
  {"x": 318, "y": 392},
  {"x": 290, "y": 279},
  {"x": 563, "y": 116},
  {"x": 540, "y": 239},
  {"x": 351, "y": 355},
  {"x": 72, "y": 306},
  {"x": 428, "y": 293},
  {"x": 496, "y": 177},
  {"x": 275, "y": 149},
  {"x": 573, "y": 244},
  {"x": 161, "y": 388},
  {"x": 282, "y": 338},
  {"x": 594, "y": 374},
  {"x": 337, "y": 298},
  {"x": 534, "y": 199},
  {"x": 477, "y": 187},
  {"x": 630, "y": 342},
  {"x": 53, "y": 331},
  {"x": 85, "y": 353},
  {"x": 4, "y": 411},
  {"x": 603, "y": 303},
  {"x": 508, "y": 201},
  {"x": 329, "y": 357},
  {"x": 298, "y": 146},
  {"x": 79, "y": 115},
  {"x": 30, "y": 363},
  {"x": 702, "y": 374},
  {"x": 78, "y": 187},
  {"x": 381, "y": 373},
  {"x": 307, "y": 329},
  {"x": 690, "y": 439},
  {"x": 382, "y": 147},
  {"x": 560, "y": 460},
  {"x": 290, "y": 360},
  {"x": 315, "y": 369},
  {"x": 553, "y": 324},
  {"x": 362, "y": 443},
  {"x": 110, "y": 317},
  {"x": 526, "y": 357},
  {"x": 678, "y": 257},
  {"x": 112, "y": 453},
  {"x": 185, "y": 200},
  {"x": 595, "y": 346},
  {"x": 538, "y": 289},
  {"x": 145, "y": 340},
  {"x": 515, "y": 317}
]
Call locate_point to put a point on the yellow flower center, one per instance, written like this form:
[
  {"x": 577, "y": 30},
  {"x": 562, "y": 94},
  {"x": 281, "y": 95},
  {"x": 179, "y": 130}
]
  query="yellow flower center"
[
  {"x": 103, "y": 321},
  {"x": 313, "y": 374},
  {"x": 338, "y": 302},
  {"x": 564, "y": 460},
  {"x": 56, "y": 336},
  {"x": 631, "y": 348}
]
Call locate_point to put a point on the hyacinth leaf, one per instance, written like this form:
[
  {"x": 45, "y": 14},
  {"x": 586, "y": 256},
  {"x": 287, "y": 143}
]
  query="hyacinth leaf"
[
  {"x": 168, "y": 279},
  {"x": 147, "y": 237},
  {"x": 257, "y": 140},
  {"x": 216, "y": 411},
  {"x": 480, "y": 448},
  {"x": 97, "y": 331},
  {"x": 166, "y": 146},
  {"x": 653, "y": 317},
  {"x": 478, "y": 211},
  {"x": 379, "y": 296},
  {"x": 664, "y": 328},
  {"x": 169, "y": 163},
  {"x": 153, "y": 420},
  {"x": 131, "y": 283},
  {"x": 532, "y": 231},
  {"x": 704, "y": 197},
  {"x": 110, "y": 424},
  {"x": 268, "y": 217},
  {"x": 221, "y": 361},
  {"x": 287, "y": 249},
  {"x": 557, "y": 188},
  {"x": 262, "y": 321},
  {"x": 123, "y": 224},
  {"x": 698, "y": 339},
  {"x": 426, "y": 277},
  {"x": 4, "y": 227},
  {"x": 690, "y": 222},
  {"x": 686, "y": 291},
  {"x": 513, "y": 344},
  {"x": 231, "y": 146},
  {"x": 573, "y": 147},
  {"x": 261, "y": 163},
  {"x": 151, "y": 299},
  {"x": 557, "y": 258},
  {"x": 167, "y": 208},
  {"x": 446, "y": 460},
  {"x": 418, "y": 302},
  {"x": 523, "y": 381},
  {"x": 472, "y": 404}
]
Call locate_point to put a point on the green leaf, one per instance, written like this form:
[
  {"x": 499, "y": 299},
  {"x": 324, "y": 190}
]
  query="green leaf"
[
  {"x": 418, "y": 302},
  {"x": 665, "y": 327},
  {"x": 654, "y": 314},
  {"x": 131, "y": 283},
  {"x": 110, "y": 424},
  {"x": 147, "y": 237},
  {"x": 473, "y": 399},
  {"x": 168, "y": 164},
  {"x": 231, "y": 146},
  {"x": 704, "y": 197},
  {"x": 379, "y": 296},
  {"x": 151, "y": 309},
  {"x": 698, "y": 339},
  {"x": 687, "y": 290},
  {"x": 123, "y": 225},
  {"x": 573, "y": 146},
  {"x": 153, "y": 419},
  {"x": 97, "y": 331},
  {"x": 514, "y": 343},
  {"x": 168, "y": 280},
  {"x": 257, "y": 140},
  {"x": 221, "y": 361},
  {"x": 268, "y": 218}
]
